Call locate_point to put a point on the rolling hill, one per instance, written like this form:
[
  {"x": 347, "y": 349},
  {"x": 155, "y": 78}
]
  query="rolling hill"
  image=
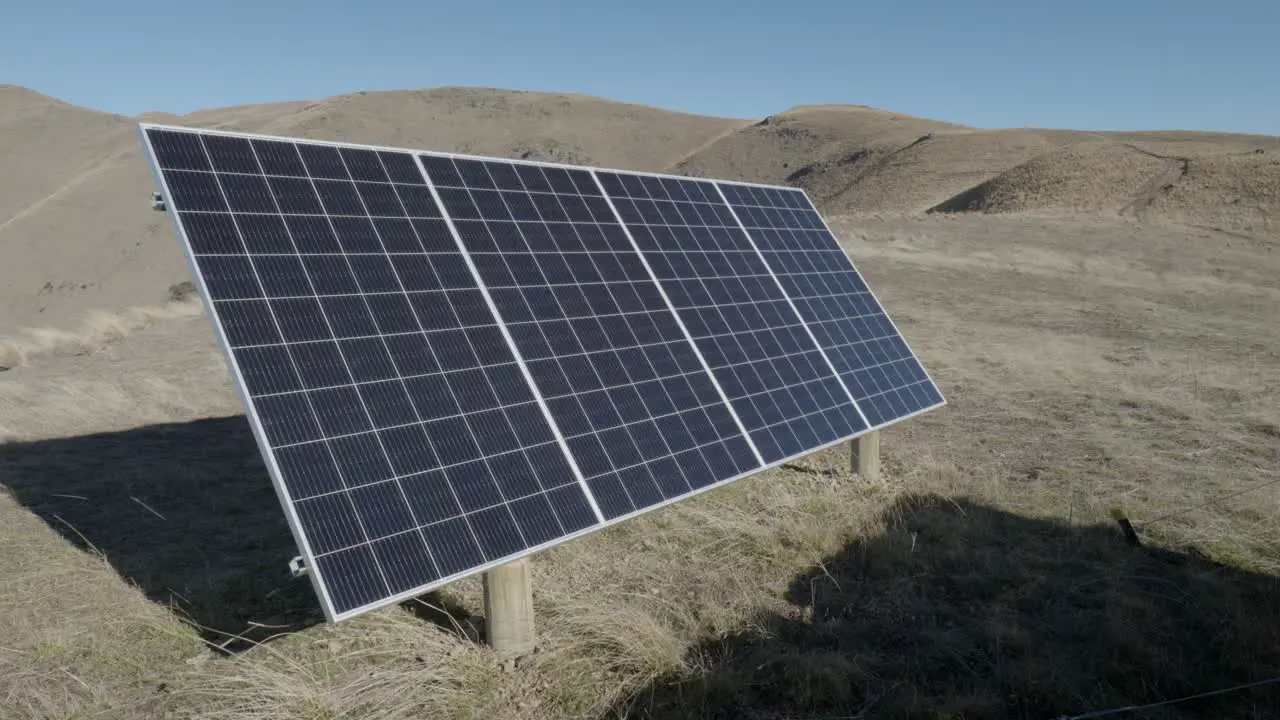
[
  {"x": 77, "y": 229},
  {"x": 76, "y": 220}
]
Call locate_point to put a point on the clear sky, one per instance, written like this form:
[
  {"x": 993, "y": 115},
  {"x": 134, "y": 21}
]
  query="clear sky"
[{"x": 1087, "y": 64}]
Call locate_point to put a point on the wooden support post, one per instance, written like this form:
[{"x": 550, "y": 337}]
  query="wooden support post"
[
  {"x": 864, "y": 456},
  {"x": 508, "y": 609}
]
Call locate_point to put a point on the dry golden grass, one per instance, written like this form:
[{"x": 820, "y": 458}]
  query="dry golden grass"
[
  {"x": 97, "y": 329},
  {"x": 862, "y": 160},
  {"x": 1090, "y": 364},
  {"x": 1095, "y": 178}
]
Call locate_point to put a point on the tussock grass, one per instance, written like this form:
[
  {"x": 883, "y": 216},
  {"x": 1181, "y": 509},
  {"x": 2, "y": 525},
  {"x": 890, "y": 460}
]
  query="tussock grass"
[
  {"x": 385, "y": 666},
  {"x": 98, "y": 328},
  {"x": 76, "y": 640}
]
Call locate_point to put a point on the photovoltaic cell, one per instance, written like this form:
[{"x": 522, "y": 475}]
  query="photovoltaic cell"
[
  {"x": 410, "y": 446},
  {"x": 641, "y": 417},
  {"x": 756, "y": 345},
  {"x": 868, "y": 352}
]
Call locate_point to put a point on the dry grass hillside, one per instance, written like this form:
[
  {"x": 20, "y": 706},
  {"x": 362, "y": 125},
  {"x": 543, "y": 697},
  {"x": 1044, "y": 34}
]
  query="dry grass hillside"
[
  {"x": 81, "y": 174},
  {"x": 905, "y": 176},
  {"x": 1099, "y": 308},
  {"x": 46, "y": 143},
  {"x": 854, "y": 159},
  {"x": 78, "y": 173},
  {"x": 784, "y": 145},
  {"x": 1087, "y": 177}
]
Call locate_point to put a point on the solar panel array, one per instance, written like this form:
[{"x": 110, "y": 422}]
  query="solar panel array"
[{"x": 451, "y": 362}]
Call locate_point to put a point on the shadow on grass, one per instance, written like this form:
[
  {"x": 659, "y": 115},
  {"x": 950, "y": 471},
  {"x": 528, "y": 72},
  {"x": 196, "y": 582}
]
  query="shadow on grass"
[
  {"x": 964, "y": 611},
  {"x": 448, "y": 614},
  {"x": 185, "y": 511}
]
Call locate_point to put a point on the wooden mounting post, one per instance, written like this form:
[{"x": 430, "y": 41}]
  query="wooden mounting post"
[
  {"x": 508, "y": 609},
  {"x": 864, "y": 456}
]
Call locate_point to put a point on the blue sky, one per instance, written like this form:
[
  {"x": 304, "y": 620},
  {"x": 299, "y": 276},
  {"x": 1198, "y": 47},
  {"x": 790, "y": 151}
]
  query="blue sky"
[{"x": 1088, "y": 64}]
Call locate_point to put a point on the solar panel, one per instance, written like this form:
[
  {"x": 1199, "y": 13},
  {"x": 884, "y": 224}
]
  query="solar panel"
[
  {"x": 452, "y": 362},
  {"x": 864, "y": 345},
  {"x": 642, "y": 418},
  {"x": 769, "y": 366},
  {"x": 409, "y": 445}
]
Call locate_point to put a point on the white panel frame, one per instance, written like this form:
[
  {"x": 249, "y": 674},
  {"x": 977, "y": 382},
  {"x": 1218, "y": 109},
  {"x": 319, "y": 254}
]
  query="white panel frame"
[{"x": 264, "y": 445}]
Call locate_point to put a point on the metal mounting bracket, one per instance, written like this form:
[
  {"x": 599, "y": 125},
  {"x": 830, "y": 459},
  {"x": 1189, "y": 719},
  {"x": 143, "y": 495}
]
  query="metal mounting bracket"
[
  {"x": 157, "y": 202},
  {"x": 297, "y": 567}
]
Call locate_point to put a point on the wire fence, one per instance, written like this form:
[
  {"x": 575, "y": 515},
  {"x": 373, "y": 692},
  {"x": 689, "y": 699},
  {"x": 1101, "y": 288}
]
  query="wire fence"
[
  {"x": 1228, "y": 496},
  {"x": 1163, "y": 703}
]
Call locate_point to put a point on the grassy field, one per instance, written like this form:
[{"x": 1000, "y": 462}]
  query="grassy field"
[{"x": 1089, "y": 365}]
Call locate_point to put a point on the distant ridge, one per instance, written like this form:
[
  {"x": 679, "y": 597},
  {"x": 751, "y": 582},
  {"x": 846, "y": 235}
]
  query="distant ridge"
[{"x": 78, "y": 233}]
